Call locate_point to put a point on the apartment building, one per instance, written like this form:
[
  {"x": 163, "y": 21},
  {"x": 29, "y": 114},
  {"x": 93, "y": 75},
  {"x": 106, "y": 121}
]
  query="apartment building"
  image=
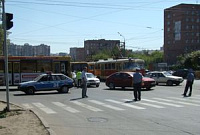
[
  {"x": 92, "y": 47},
  {"x": 181, "y": 31},
  {"x": 28, "y": 50}
]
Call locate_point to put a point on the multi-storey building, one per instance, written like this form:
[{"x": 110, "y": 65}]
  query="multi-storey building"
[
  {"x": 28, "y": 50},
  {"x": 92, "y": 47},
  {"x": 77, "y": 54},
  {"x": 181, "y": 31}
]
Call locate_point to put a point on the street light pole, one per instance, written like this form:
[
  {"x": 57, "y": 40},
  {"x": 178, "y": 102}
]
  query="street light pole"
[
  {"x": 124, "y": 44},
  {"x": 5, "y": 55}
]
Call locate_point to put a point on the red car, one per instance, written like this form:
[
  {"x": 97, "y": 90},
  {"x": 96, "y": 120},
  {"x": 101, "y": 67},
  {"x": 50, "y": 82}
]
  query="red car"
[{"x": 125, "y": 79}]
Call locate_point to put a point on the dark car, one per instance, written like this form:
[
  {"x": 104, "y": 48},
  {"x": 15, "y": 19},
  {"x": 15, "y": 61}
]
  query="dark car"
[
  {"x": 125, "y": 79},
  {"x": 46, "y": 82},
  {"x": 181, "y": 72}
]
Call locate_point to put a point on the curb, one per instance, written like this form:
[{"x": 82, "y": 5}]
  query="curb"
[{"x": 41, "y": 119}]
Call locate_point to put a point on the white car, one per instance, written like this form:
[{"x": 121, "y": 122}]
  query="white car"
[
  {"x": 92, "y": 80},
  {"x": 165, "y": 77}
]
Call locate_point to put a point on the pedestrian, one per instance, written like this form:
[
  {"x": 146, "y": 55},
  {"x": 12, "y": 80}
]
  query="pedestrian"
[
  {"x": 189, "y": 83},
  {"x": 137, "y": 82},
  {"x": 73, "y": 76},
  {"x": 78, "y": 78},
  {"x": 84, "y": 82}
]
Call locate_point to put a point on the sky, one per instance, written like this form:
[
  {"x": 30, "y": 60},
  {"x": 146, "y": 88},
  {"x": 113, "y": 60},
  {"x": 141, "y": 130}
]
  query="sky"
[{"x": 63, "y": 24}]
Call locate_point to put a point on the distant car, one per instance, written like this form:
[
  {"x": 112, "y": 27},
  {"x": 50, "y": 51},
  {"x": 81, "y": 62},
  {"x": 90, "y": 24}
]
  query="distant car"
[
  {"x": 125, "y": 79},
  {"x": 92, "y": 80},
  {"x": 181, "y": 73},
  {"x": 46, "y": 82},
  {"x": 165, "y": 77}
]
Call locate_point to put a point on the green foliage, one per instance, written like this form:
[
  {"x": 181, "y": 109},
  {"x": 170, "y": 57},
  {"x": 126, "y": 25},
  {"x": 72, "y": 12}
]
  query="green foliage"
[
  {"x": 191, "y": 60},
  {"x": 155, "y": 57}
]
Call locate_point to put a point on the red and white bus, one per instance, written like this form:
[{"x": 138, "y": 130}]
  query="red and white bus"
[
  {"x": 26, "y": 68},
  {"x": 104, "y": 68}
]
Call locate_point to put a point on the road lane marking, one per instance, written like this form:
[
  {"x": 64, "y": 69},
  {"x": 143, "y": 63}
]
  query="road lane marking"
[
  {"x": 180, "y": 102},
  {"x": 87, "y": 106},
  {"x": 147, "y": 104},
  {"x": 125, "y": 104},
  {"x": 194, "y": 97},
  {"x": 185, "y": 99},
  {"x": 65, "y": 107},
  {"x": 44, "y": 108},
  {"x": 106, "y": 105},
  {"x": 27, "y": 106},
  {"x": 169, "y": 104}
]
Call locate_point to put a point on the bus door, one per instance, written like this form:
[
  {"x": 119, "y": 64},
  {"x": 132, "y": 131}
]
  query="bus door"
[{"x": 16, "y": 73}]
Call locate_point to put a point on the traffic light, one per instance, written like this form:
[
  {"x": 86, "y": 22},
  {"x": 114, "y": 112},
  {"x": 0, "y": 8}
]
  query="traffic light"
[{"x": 9, "y": 23}]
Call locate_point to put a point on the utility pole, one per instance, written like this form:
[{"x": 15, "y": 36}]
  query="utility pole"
[
  {"x": 124, "y": 49},
  {"x": 5, "y": 56}
]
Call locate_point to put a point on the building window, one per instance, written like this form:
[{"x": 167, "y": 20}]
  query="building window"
[
  {"x": 168, "y": 29},
  {"x": 187, "y": 19},
  {"x": 168, "y": 23},
  {"x": 168, "y": 16}
]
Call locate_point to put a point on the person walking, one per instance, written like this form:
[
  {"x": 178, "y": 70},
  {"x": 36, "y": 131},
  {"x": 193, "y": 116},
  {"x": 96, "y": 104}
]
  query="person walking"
[
  {"x": 137, "y": 82},
  {"x": 189, "y": 83},
  {"x": 78, "y": 78},
  {"x": 84, "y": 82}
]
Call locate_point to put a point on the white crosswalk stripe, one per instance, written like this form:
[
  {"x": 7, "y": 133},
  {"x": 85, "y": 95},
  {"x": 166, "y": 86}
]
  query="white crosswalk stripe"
[
  {"x": 125, "y": 104},
  {"x": 27, "y": 106},
  {"x": 65, "y": 107},
  {"x": 157, "y": 102},
  {"x": 185, "y": 99},
  {"x": 106, "y": 105},
  {"x": 147, "y": 104},
  {"x": 87, "y": 106},
  {"x": 164, "y": 103},
  {"x": 44, "y": 108},
  {"x": 180, "y": 102},
  {"x": 194, "y": 97}
]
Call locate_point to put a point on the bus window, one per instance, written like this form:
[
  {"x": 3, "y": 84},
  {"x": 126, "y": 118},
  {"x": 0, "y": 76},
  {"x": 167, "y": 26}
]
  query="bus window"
[
  {"x": 56, "y": 67},
  {"x": 16, "y": 67},
  {"x": 113, "y": 66},
  {"x": 28, "y": 66},
  {"x": 1, "y": 66},
  {"x": 43, "y": 66},
  {"x": 9, "y": 67}
]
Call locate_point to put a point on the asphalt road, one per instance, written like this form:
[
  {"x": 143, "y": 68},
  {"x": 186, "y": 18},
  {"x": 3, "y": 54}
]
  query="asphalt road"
[{"x": 162, "y": 111}]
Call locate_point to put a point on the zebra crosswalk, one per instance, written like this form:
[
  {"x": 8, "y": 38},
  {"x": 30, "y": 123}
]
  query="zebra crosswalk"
[{"x": 113, "y": 104}]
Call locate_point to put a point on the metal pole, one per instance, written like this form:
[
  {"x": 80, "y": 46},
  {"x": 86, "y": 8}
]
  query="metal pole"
[
  {"x": 124, "y": 43},
  {"x": 5, "y": 56}
]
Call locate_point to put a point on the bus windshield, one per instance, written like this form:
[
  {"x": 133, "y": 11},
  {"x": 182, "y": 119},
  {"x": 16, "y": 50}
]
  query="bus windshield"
[{"x": 131, "y": 66}]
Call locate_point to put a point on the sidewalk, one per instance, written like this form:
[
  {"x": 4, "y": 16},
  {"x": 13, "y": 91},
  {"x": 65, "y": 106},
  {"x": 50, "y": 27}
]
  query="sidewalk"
[{"x": 11, "y": 88}]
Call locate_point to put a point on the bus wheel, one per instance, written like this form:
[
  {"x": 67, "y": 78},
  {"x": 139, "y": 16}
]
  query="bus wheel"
[
  {"x": 64, "y": 89},
  {"x": 111, "y": 86},
  {"x": 30, "y": 91}
]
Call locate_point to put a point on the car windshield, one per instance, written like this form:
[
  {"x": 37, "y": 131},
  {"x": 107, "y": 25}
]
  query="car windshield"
[
  {"x": 90, "y": 76},
  {"x": 38, "y": 78},
  {"x": 167, "y": 74}
]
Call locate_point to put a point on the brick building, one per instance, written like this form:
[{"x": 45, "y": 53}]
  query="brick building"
[
  {"x": 92, "y": 47},
  {"x": 181, "y": 31}
]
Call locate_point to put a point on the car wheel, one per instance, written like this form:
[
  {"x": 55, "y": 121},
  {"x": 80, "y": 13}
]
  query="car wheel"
[
  {"x": 30, "y": 91},
  {"x": 148, "y": 88},
  {"x": 111, "y": 86},
  {"x": 169, "y": 83},
  {"x": 64, "y": 89}
]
